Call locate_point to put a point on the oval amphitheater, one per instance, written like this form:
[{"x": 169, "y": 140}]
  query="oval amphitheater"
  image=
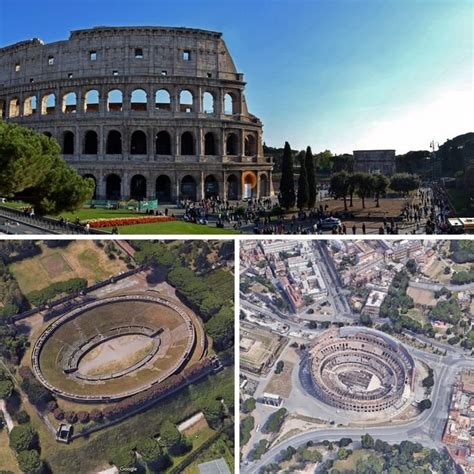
[
  {"x": 115, "y": 347},
  {"x": 146, "y": 112},
  {"x": 360, "y": 370}
]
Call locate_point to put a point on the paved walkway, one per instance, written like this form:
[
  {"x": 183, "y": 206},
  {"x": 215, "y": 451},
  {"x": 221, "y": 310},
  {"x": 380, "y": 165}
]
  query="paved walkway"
[{"x": 8, "y": 418}]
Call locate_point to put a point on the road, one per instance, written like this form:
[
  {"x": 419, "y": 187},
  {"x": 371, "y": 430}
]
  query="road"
[{"x": 425, "y": 285}]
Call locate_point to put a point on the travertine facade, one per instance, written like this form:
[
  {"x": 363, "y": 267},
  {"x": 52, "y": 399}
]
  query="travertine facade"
[
  {"x": 148, "y": 112},
  {"x": 375, "y": 161}
]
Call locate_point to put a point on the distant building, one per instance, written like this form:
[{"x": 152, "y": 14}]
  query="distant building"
[
  {"x": 373, "y": 303},
  {"x": 272, "y": 399},
  {"x": 374, "y": 161}
]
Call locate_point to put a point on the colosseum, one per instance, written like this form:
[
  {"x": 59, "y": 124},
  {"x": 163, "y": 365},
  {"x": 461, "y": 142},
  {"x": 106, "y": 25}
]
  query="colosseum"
[
  {"x": 147, "y": 112},
  {"x": 362, "y": 370}
]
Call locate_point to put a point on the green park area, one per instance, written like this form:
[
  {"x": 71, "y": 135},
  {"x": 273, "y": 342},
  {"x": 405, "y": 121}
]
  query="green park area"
[{"x": 174, "y": 228}]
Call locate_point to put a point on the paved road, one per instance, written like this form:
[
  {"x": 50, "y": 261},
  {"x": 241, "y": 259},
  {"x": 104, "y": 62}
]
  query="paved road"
[{"x": 425, "y": 285}]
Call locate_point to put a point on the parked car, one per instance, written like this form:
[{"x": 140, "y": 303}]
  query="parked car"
[{"x": 330, "y": 223}]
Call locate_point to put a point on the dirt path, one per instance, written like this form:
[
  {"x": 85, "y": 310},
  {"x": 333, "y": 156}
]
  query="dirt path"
[{"x": 8, "y": 418}]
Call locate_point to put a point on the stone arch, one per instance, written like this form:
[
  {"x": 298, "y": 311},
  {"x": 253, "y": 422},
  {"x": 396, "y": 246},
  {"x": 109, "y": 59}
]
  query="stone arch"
[
  {"x": 250, "y": 145},
  {"x": 163, "y": 188},
  {"x": 89, "y": 175},
  {"x": 113, "y": 185},
  {"x": 208, "y": 103},
  {"x": 91, "y": 101},
  {"x": 114, "y": 143},
  {"x": 189, "y": 188},
  {"x": 138, "y": 187},
  {"x": 68, "y": 143},
  {"x": 210, "y": 145},
  {"x": 30, "y": 105},
  {"x": 115, "y": 100},
  {"x": 69, "y": 105},
  {"x": 138, "y": 100},
  {"x": 211, "y": 187},
  {"x": 230, "y": 104},
  {"x": 14, "y": 107},
  {"x": 48, "y": 104},
  {"x": 264, "y": 188},
  {"x": 187, "y": 144},
  {"x": 91, "y": 143},
  {"x": 163, "y": 143},
  {"x": 138, "y": 145},
  {"x": 231, "y": 144},
  {"x": 186, "y": 100},
  {"x": 232, "y": 187},
  {"x": 162, "y": 100},
  {"x": 249, "y": 184}
]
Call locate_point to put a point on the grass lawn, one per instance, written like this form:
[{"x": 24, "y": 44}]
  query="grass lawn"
[
  {"x": 95, "y": 452},
  {"x": 198, "y": 439},
  {"x": 417, "y": 315},
  {"x": 176, "y": 227},
  {"x": 80, "y": 259},
  {"x": 350, "y": 463},
  {"x": 7, "y": 458},
  {"x": 87, "y": 213}
]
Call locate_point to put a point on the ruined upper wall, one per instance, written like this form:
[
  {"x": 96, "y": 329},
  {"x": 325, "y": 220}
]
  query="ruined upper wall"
[{"x": 164, "y": 50}]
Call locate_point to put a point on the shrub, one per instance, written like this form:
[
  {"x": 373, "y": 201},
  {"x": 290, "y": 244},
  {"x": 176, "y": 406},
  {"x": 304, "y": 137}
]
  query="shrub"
[
  {"x": 58, "y": 414},
  {"x": 71, "y": 416},
  {"x": 22, "y": 417},
  {"x": 96, "y": 415},
  {"x": 83, "y": 416},
  {"x": 52, "y": 405}
]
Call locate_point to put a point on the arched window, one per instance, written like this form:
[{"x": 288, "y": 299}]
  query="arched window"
[
  {"x": 114, "y": 101},
  {"x": 68, "y": 143},
  {"x": 138, "y": 187},
  {"x": 2, "y": 108},
  {"x": 91, "y": 176},
  {"x": 189, "y": 188},
  {"x": 162, "y": 100},
  {"x": 186, "y": 101},
  {"x": 229, "y": 105},
  {"x": 232, "y": 187},
  {"x": 163, "y": 143},
  {"x": 263, "y": 185},
  {"x": 163, "y": 188},
  {"x": 250, "y": 146},
  {"x": 113, "y": 185},
  {"x": 14, "y": 109},
  {"x": 231, "y": 144},
  {"x": 187, "y": 143},
  {"x": 91, "y": 103},
  {"x": 30, "y": 106},
  {"x": 211, "y": 187},
  {"x": 138, "y": 143},
  {"x": 90, "y": 143},
  {"x": 114, "y": 143},
  {"x": 208, "y": 103},
  {"x": 209, "y": 144},
  {"x": 138, "y": 100},
  {"x": 48, "y": 104},
  {"x": 69, "y": 103}
]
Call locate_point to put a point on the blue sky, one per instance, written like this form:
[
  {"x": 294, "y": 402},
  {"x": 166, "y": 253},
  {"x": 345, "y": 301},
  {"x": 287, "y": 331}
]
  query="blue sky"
[{"x": 333, "y": 74}]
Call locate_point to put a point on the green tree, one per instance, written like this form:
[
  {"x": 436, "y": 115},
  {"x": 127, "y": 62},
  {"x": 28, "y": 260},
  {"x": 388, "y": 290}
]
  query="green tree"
[
  {"x": 379, "y": 186},
  {"x": 287, "y": 182},
  {"x": 339, "y": 185},
  {"x": 342, "y": 453},
  {"x": 367, "y": 441},
  {"x": 424, "y": 404},
  {"x": 30, "y": 462},
  {"x": 213, "y": 413},
  {"x": 303, "y": 192},
  {"x": 123, "y": 458},
  {"x": 352, "y": 186},
  {"x": 169, "y": 434},
  {"x": 311, "y": 177},
  {"x": 149, "y": 450},
  {"x": 6, "y": 389},
  {"x": 23, "y": 437},
  {"x": 364, "y": 186},
  {"x": 404, "y": 183},
  {"x": 32, "y": 169}
]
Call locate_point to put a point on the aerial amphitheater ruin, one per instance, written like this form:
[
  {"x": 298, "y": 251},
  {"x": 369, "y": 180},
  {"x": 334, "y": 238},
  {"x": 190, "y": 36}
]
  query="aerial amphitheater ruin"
[
  {"x": 114, "y": 347},
  {"x": 147, "y": 112},
  {"x": 361, "y": 370}
]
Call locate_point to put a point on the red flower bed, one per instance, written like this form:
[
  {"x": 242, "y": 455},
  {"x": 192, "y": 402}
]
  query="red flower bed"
[{"x": 129, "y": 221}]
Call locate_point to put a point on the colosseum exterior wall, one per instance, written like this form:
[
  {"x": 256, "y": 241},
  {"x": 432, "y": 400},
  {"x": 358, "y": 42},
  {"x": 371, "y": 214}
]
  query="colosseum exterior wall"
[{"x": 148, "y": 112}]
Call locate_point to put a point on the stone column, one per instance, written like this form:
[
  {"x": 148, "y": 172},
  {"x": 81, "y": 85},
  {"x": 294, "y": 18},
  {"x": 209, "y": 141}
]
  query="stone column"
[{"x": 200, "y": 187}]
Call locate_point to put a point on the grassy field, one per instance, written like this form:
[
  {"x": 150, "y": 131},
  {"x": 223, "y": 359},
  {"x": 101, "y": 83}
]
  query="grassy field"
[
  {"x": 80, "y": 259},
  {"x": 87, "y": 214},
  {"x": 198, "y": 440},
  {"x": 95, "y": 452},
  {"x": 350, "y": 463},
  {"x": 176, "y": 227},
  {"x": 7, "y": 458}
]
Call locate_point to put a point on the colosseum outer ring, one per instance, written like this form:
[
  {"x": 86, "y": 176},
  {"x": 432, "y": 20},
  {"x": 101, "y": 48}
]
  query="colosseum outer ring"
[
  {"x": 76, "y": 352},
  {"x": 147, "y": 112},
  {"x": 360, "y": 370}
]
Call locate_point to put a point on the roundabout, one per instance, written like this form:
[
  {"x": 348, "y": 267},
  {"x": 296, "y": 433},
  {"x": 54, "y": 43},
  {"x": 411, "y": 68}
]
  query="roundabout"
[
  {"x": 360, "y": 370},
  {"x": 115, "y": 347}
]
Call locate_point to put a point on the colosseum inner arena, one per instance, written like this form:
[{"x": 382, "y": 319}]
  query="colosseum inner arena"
[
  {"x": 361, "y": 370},
  {"x": 147, "y": 112}
]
